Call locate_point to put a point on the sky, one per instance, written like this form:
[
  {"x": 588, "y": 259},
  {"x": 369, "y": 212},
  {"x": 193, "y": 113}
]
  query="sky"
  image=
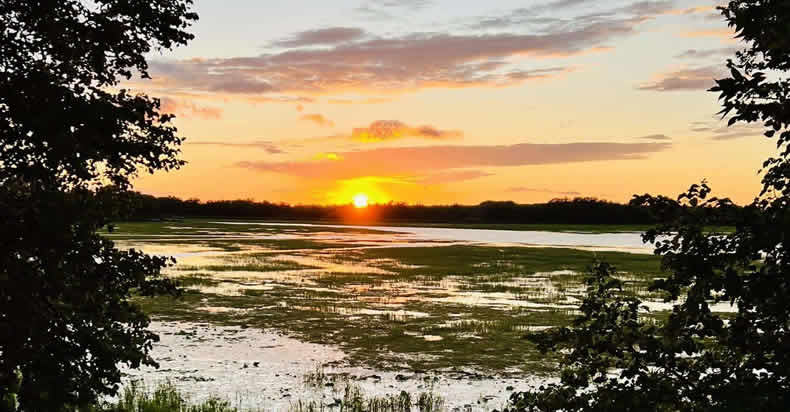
[{"x": 451, "y": 101}]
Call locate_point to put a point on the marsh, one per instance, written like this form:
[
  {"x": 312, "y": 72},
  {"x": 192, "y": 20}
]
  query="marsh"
[{"x": 441, "y": 309}]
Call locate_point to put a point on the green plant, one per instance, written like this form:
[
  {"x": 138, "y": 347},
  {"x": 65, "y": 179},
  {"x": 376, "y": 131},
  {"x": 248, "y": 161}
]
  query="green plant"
[
  {"x": 70, "y": 141},
  {"x": 617, "y": 358},
  {"x": 136, "y": 397}
]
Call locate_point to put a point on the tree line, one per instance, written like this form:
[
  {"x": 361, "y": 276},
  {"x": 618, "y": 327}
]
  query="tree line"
[{"x": 579, "y": 210}]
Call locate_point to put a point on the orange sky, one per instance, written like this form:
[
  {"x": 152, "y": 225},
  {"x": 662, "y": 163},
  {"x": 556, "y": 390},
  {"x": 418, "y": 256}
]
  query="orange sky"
[{"x": 428, "y": 101}]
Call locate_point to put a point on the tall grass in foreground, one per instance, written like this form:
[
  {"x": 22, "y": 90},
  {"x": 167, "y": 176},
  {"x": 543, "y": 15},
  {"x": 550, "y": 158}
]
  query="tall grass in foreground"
[
  {"x": 167, "y": 398},
  {"x": 164, "y": 398},
  {"x": 354, "y": 401}
]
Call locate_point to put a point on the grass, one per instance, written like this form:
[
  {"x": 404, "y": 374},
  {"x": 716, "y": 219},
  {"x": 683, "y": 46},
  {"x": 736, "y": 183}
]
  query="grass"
[
  {"x": 164, "y": 398},
  {"x": 480, "y": 261},
  {"x": 353, "y": 400},
  {"x": 354, "y": 311},
  {"x": 167, "y": 398}
]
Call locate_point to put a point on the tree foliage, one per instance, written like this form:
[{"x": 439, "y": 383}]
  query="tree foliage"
[
  {"x": 71, "y": 138},
  {"x": 617, "y": 357},
  {"x": 564, "y": 211}
]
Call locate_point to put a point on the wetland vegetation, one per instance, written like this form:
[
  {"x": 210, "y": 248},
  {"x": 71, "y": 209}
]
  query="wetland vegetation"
[
  {"x": 391, "y": 302},
  {"x": 388, "y": 301},
  {"x": 499, "y": 305}
]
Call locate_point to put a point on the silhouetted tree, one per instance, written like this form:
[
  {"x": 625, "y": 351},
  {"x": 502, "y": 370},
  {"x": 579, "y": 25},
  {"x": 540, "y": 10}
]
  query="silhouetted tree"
[
  {"x": 573, "y": 211},
  {"x": 616, "y": 358},
  {"x": 70, "y": 140}
]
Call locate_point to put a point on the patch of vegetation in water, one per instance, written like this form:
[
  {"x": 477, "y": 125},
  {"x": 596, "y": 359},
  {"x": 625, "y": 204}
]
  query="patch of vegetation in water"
[
  {"x": 480, "y": 261},
  {"x": 438, "y": 308},
  {"x": 217, "y": 226},
  {"x": 392, "y": 339},
  {"x": 136, "y": 397},
  {"x": 197, "y": 279}
]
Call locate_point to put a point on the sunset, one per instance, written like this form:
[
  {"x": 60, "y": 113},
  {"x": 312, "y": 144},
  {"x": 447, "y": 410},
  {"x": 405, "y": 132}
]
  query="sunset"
[
  {"x": 440, "y": 102},
  {"x": 360, "y": 201},
  {"x": 394, "y": 205}
]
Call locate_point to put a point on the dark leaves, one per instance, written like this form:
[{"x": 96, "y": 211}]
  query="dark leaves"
[
  {"x": 69, "y": 144},
  {"x": 697, "y": 358}
]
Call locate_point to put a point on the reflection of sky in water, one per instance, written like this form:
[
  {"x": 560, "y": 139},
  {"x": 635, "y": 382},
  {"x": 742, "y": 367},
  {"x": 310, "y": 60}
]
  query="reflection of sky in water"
[
  {"x": 210, "y": 360},
  {"x": 628, "y": 241},
  {"x": 204, "y": 360}
]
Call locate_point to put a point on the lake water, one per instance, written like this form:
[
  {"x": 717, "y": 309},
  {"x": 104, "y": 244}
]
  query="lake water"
[
  {"x": 384, "y": 309},
  {"x": 622, "y": 241}
]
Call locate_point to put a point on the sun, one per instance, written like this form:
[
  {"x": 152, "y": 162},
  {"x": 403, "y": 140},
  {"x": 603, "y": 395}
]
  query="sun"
[{"x": 360, "y": 200}]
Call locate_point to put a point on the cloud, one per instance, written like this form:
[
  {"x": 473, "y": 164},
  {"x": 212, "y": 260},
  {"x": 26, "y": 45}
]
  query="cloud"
[
  {"x": 704, "y": 54},
  {"x": 701, "y": 78},
  {"x": 393, "y": 129},
  {"x": 725, "y": 35},
  {"x": 299, "y": 100},
  {"x": 409, "y": 4},
  {"x": 321, "y": 37},
  {"x": 718, "y": 129},
  {"x": 693, "y": 10},
  {"x": 451, "y": 177},
  {"x": 269, "y": 147},
  {"x": 398, "y": 64},
  {"x": 370, "y": 100},
  {"x": 655, "y": 137},
  {"x": 389, "y": 9},
  {"x": 733, "y": 134},
  {"x": 416, "y": 161},
  {"x": 318, "y": 119},
  {"x": 521, "y": 189},
  {"x": 544, "y": 15},
  {"x": 187, "y": 109}
]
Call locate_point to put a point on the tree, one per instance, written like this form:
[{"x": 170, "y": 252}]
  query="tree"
[
  {"x": 615, "y": 357},
  {"x": 71, "y": 138}
]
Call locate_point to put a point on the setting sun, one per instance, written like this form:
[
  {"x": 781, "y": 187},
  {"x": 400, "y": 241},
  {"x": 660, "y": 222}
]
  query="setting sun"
[{"x": 360, "y": 200}]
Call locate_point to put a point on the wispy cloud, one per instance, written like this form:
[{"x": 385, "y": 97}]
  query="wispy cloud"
[
  {"x": 544, "y": 14},
  {"x": 388, "y": 9},
  {"x": 397, "y": 64},
  {"x": 267, "y": 146},
  {"x": 187, "y": 109},
  {"x": 370, "y": 100},
  {"x": 718, "y": 130},
  {"x": 318, "y": 119},
  {"x": 701, "y": 78},
  {"x": 299, "y": 100},
  {"x": 693, "y": 10},
  {"x": 415, "y": 161},
  {"x": 655, "y": 137},
  {"x": 328, "y": 36},
  {"x": 393, "y": 129},
  {"x": 521, "y": 189},
  {"x": 725, "y": 35},
  {"x": 704, "y": 54},
  {"x": 452, "y": 176}
]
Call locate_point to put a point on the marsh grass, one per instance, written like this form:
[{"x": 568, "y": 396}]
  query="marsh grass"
[
  {"x": 353, "y": 400},
  {"x": 136, "y": 397},
  {"x": 197, "y": 279},
  {"x": 495, "y": 292}
]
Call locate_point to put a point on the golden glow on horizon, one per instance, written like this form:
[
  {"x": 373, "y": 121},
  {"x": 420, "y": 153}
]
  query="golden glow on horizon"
[
  {"x": 303, "y": 162},
  {"x": 360, "y": 200},
  {"x": 371, "y": 187}
]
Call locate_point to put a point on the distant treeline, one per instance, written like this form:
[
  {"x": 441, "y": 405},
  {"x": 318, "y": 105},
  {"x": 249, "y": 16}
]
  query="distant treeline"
[{"x": 580, "y": 210}]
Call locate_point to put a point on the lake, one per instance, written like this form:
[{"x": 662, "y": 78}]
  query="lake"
[{"x": 276, "y": 314}]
